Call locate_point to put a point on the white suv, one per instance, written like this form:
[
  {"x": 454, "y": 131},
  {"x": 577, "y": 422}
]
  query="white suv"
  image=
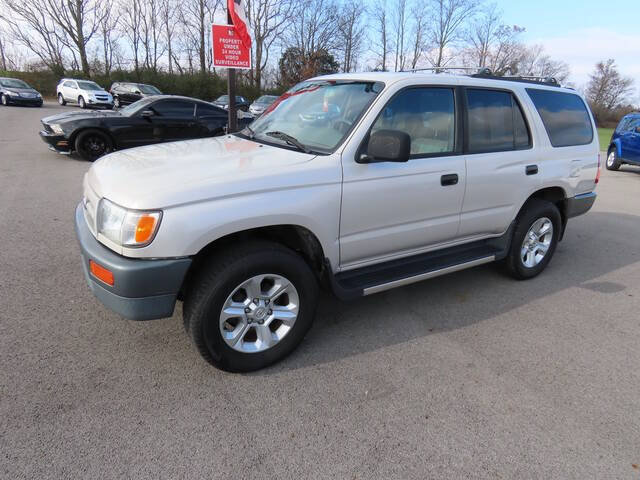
[
  {"x": 356, "y": 183},
  {"x": 83, "y": 92}
]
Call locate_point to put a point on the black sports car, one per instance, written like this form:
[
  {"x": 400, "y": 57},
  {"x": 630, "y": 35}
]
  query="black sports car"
[
  {"x": 16, "y": 92},
  {"x": 161, "y": 118}
]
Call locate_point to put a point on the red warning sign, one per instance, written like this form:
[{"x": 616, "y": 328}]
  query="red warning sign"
[{"x": 228, "y": 49}]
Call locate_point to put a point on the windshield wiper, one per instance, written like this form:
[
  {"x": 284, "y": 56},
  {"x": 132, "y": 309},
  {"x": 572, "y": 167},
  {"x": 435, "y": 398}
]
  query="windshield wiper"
[{"x": 285, "y": 137}]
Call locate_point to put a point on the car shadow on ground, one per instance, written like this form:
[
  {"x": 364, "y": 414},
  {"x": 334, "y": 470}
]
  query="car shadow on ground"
[{"x": 594, "y": 245}]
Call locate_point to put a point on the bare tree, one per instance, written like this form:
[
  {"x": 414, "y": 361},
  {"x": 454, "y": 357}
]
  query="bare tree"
[
  {"x": 150, "y": 34},
  {"x": 131, "y": 27},
  {"x": 381, "y": 26},
  {"x": 268, "y": 19},
  {"x": 607, "y": 88},
  {"x": 169, "y": 16},
  {"x": 419, "y": 14},
  {"x": 535, "y": 62},
  {"x": 351, "y": 34},
  {"x": 400, "y": 21},
  {"x": 3, "y": 56},
  {"x": 314, "y": 27},
  {"x": 448, "y": 18},
  {"x": 31, "y": 26},
  {"x": 107, "y": 32},
  {"x": 196, "y": 19}
]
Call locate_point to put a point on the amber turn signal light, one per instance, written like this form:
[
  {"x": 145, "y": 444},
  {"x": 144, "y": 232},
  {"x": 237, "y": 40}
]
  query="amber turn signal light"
[
  {"x": 145, "y": 228},
  {"x": 101, "y": 273}
]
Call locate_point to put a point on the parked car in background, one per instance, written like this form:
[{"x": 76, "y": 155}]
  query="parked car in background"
[
  {"x": 125, "y": 93},
  {"x": 241, "y": 102},
  {"x": 412, "y": 176},
  {"x": 14, "y": 91},
  {"x": 260, "y": 105},
  {"x": 160, "y": 118},
  {"x": 83, "y": 92},
  {"x": 624, "y": 146}
]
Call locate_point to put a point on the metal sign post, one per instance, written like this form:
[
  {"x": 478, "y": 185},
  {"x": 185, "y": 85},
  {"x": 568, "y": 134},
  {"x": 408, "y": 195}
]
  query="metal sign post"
[{"x": 232, "y": 124}]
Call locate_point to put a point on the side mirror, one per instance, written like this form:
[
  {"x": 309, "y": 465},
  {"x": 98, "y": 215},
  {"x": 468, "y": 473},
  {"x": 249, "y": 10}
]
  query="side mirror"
[
  {"x": 147, "y": 113},
  {"x": 387, "y": 146}
]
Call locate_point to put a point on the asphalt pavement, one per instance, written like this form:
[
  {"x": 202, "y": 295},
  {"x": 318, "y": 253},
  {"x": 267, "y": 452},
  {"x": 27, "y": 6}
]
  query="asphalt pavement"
[{"x": 472, "y": 375}]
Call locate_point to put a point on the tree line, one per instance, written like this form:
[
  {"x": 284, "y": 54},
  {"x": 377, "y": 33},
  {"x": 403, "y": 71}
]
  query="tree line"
[{"x": 292, "y": 39}]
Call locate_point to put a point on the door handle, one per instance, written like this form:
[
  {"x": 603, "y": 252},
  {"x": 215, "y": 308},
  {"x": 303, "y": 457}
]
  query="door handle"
[
  {"x": 532, "y": 169},
  {"x": 450, "y": 179}
]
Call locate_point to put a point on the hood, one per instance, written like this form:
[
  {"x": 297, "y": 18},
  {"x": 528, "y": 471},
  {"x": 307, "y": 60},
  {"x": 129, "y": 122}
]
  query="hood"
[
  {"x": 169, "y": 174},
  {"x": 72, "y": 116}
]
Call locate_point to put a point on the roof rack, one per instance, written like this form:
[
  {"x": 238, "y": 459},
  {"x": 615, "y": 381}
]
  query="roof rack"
[
  {"x": 437, "y": 69},
  {"x": 486, "y": 73}
]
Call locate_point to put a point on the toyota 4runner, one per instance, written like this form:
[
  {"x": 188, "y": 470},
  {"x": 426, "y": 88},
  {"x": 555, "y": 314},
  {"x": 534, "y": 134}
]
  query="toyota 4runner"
[{"x": 356, "y": 183}]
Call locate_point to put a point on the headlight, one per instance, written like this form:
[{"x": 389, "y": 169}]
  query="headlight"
[
  {"x": 127, "y": 228},
  {"x": 11, "y": 92},
  {"x": 55, "y": 128}
]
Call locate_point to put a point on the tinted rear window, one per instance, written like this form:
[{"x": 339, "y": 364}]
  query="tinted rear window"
[
  {"x": 495, "y": 122},
  {"x": 565, "y": 117}
]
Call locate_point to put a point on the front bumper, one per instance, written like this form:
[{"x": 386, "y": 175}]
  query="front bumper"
[
  {"x": 142, "y": 289},
  {"x": 32, "y": 102},
  {"x": 56, "y": 142},
  {"x": 579, "y": 204},
  {"x": 100, "y": 103}
]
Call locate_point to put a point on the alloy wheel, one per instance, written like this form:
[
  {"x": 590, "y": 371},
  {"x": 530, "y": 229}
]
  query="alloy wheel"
[
  {"x": 536, "y": 242},
  {"x": 259, "y": 313},
  {"x": 611, "y": 159}
]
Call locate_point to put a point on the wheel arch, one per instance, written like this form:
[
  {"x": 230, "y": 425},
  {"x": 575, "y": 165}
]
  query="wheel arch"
[
  {"x": 74, "y": 135},
  {"x": 295, "y": 237},
  {"x": 617, "y": 145},
  {"x": 554, "y": 194}
]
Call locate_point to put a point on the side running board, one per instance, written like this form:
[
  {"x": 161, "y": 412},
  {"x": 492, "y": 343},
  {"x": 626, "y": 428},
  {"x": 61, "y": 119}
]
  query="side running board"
[{"x": 396, "y": 273}]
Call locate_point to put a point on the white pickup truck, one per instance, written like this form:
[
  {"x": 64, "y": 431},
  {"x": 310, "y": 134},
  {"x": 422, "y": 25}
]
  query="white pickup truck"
[{"x": 356, "y": 183}]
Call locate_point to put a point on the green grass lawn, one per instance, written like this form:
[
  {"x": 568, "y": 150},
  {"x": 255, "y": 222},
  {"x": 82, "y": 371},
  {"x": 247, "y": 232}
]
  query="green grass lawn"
[{"x": 604, "y": 134}]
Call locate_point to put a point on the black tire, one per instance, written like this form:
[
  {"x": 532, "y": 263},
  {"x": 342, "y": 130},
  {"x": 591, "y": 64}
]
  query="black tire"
[
  {"x": 116, "y": 103},
  {"x": 534, "y": 210},
  {"x": 3, "y": 99},
  {"x": 81, "y": 102},
  {"x": 92, "y": 144},
  {"x": 613, "y": 162},
  {"x": 218, "y": 278},
  {"x": 61, "y": 100}
]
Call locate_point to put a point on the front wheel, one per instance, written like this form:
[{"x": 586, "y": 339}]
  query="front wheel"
[
  {"x": 61, "y": 100},
  {"x": 92, "y": 144},
  {"x": 250, "y": 306},
  {"x": 116, "y": 103},
  {"x": 4, "y": 100},
  {"x": 535, "y": 238},
  {"x": 613, "y": 162},
  {"x": 82, "y": 103}
]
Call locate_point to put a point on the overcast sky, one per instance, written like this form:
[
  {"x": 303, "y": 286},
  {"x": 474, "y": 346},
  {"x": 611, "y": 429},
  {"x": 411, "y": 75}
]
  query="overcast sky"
[{"x": 581, "y": 32}]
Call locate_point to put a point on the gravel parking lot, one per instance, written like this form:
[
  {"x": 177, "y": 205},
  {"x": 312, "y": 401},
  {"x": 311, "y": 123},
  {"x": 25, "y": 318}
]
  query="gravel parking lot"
[{"x": 472, "y": 375}]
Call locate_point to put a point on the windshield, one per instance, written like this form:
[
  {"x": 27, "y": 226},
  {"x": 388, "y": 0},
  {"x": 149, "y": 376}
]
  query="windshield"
[
  {"x": 266, "y": 99},
  {"x": 13, "y": 82},
  {"x": 149, "y": 89},
  {"x": 89, "y": 86},
  {"x": 223, "y": 98},
  {"x": 135, "y": 107},
  {"x": 318, "y": 114}
]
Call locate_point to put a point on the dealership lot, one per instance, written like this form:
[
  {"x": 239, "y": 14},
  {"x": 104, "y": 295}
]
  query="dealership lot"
[{"x": 471, "y": 375}]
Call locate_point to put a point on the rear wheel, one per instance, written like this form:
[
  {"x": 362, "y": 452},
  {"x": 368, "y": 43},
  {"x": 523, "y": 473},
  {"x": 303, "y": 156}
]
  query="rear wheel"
[
  {"x": 534, "y": 240},
  {"x": 250, "y": 306},
  {"x": 61, "y": 100},
  {"x": 92, "y": 144},
  {"x": 81, "y": 102},
  {"x": 613, "y": 162}
]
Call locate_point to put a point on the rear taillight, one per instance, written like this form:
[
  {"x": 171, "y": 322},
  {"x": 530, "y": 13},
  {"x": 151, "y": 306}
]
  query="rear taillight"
[{"x": 599, "y": 169}]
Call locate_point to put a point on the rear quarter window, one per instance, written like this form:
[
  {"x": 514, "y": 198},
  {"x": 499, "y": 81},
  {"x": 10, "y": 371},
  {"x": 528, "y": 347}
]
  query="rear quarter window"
[{"x": 565, "y": 117}]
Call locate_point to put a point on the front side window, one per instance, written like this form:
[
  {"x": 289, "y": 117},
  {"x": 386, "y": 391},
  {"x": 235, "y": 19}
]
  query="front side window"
[
  {"x": 633, "y": 126},
  {"x": 149, "y": 89},
  {"x": 426, "y": 114},
  {"x": 174, "y": 108},
  {"x": 565, "y": 117},
  {"x": 317, "y": 114},
  {"x": 495, "y": 122}
]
